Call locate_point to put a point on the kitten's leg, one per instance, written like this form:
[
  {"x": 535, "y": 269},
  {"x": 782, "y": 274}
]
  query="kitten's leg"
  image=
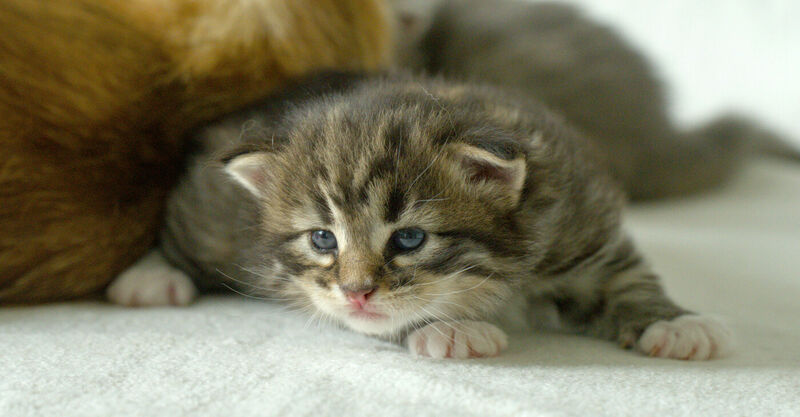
[
  {"x": 637, "y": 313},
  {"x": 458, "y": 340},
  {"x": 152, "y": 281}
]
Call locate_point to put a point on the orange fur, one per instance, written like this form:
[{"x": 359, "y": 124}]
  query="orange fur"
[{"x": 96, "y": 94}]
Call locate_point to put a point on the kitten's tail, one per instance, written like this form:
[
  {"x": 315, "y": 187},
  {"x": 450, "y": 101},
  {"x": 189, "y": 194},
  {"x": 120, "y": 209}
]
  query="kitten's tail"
[{"x": 702, "y": 159}]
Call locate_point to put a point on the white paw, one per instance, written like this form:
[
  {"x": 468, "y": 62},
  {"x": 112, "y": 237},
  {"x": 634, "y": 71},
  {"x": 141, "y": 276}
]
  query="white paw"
[
  {"x": 689, "y": 337},
  {"x": 458, "y": 340},
  {"x": 152, "y": 282}
]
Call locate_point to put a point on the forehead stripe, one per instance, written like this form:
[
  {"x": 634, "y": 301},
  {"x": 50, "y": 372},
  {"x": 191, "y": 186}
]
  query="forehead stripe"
[
  {"x": 395, "y": 204},
  {"x": 321, "y": 206}
]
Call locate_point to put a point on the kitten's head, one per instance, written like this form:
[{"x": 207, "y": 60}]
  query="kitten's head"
[{"x": 397, "y": 203}]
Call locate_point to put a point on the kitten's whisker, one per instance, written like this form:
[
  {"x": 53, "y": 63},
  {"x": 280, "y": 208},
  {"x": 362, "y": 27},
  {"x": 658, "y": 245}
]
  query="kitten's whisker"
[
  {"x": 246, "y": 295},
  {"x": 397, "y": 163},
  {"x": 428, "y": 322},
  {"x": 422, "y": 173},
  {"x": 435, "y": 317},
  {"x": 453, "y": 323},
  {"x": 259, "y": 274},
  {"x": 447, "y": 277},
  {"x": 314, "y": 316},
  {"x": 450, "y": 322},
  {"x": 427, "y": 300},
  {"x": 465, "y": 290},
  {"x": 427, "y": 200},
  {"x": 432, "y": 198},
  {"x": 244, "y": 282}
]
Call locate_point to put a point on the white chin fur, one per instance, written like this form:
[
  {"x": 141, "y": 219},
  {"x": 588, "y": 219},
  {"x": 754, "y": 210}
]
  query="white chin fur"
[
  {"x": 387, "y": 326},
  {"x": 380, "y": 327}
]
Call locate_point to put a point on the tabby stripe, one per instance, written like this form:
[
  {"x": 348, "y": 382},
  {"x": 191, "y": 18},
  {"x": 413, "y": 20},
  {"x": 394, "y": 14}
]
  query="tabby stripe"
[
  {"x": 321, "y": 205},
  {"x": 450, "y": 261},
  {"x": 446, "y": 258},
  {"x": 576, "y": 313},
  {"x": 641, "y": 287},
  {"x": 549, "y": 265},
  {"x": 293, "y": 267},
  {"x": 625, "y": 258},
  {"x": 498, "y": 247},
  {"x": 395, "y": 205}
]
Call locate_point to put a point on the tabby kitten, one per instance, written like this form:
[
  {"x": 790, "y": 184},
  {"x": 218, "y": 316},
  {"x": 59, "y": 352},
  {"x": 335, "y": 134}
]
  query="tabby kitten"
[
  {"x": 588, "y": 73},
  {"x": 413, "y": 209}
]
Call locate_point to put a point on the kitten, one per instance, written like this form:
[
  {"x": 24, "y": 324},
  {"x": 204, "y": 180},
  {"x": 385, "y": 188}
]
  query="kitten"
[
  {"x": 586, "y": 72},
  {"x": 413, "y": 209}
]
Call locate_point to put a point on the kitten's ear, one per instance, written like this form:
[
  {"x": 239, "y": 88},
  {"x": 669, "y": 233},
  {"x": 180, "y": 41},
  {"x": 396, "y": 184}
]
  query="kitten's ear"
[
  {"x": 250, "y": 170},
  {"x": 502, "y": 178}
]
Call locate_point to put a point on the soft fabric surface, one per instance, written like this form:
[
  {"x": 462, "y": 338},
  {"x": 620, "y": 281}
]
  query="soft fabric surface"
[{"x": 735, "y": 252}]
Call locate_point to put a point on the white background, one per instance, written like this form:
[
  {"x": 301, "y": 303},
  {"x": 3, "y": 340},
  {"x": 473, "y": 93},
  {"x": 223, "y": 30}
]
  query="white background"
[{"x": 718, "y": 55}]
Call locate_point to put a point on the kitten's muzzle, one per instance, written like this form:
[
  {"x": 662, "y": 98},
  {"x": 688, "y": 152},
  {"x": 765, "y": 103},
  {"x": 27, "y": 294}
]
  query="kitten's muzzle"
[{"x": 358, "y": 297}]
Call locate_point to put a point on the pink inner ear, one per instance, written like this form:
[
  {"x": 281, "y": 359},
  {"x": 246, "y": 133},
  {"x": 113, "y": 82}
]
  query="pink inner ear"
[
  {"x": 250, "y": 171},
  {"x": 485, "y": 171}
]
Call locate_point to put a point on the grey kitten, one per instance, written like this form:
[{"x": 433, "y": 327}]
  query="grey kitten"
[
  {"x": 586, "y": 72},
  {"x": 413, "y": 209}
]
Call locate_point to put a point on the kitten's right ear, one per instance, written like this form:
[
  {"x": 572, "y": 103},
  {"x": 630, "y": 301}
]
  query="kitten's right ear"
[
  {"x": 250, "y": 170},
  {"x": 500, "y": 177}
]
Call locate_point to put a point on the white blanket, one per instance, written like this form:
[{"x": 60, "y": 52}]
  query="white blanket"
[{"x": 735, "y": 252}]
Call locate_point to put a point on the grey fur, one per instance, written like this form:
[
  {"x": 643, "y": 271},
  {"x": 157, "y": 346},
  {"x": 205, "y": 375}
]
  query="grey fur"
[
  {"x": 378, "y": 152},
  {"x": 588, "y": 73}
]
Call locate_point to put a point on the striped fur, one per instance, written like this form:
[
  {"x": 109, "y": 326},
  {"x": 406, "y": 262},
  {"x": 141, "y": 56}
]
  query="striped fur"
[{"x": 363, "y": 157}]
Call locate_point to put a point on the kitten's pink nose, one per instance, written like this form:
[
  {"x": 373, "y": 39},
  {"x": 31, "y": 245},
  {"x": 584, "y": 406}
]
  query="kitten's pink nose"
[{"x": 359, "y": 298}]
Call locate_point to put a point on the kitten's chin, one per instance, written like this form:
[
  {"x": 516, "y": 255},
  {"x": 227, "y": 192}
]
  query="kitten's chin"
[
  {"x": 367, "y": 321},
  {"x": 375, "y": 325}
]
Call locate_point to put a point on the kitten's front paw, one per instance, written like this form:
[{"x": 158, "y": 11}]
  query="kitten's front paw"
[
  {"x": 457, "y": 340},
  {"x": 152, "y": 282},
  {"x": 689, "y": 337}
]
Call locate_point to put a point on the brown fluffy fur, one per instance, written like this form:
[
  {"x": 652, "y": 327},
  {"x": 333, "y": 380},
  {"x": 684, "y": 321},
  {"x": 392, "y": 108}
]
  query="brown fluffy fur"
[{"x": 95, "y": 96}]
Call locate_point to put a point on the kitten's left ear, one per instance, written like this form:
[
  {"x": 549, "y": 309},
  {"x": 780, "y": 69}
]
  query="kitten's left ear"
[
  {"x": 499, "y": 177},
  {"x": 251, "y": 170}
]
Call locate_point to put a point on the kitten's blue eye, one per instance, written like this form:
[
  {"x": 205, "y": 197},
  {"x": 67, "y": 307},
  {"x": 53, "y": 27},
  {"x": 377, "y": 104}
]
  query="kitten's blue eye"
[
  {"x": 323, "y": 240},
  {"x": 408, "y": 239}
]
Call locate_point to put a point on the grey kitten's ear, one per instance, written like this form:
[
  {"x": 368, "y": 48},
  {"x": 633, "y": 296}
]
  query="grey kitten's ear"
[
  {"x": 503, "y": 178},
  {"x": 250, "y": 170}
]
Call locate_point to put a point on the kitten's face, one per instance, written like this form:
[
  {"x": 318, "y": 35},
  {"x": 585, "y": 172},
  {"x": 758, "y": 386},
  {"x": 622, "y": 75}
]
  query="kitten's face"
[{"x": 387, "y": 214}]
